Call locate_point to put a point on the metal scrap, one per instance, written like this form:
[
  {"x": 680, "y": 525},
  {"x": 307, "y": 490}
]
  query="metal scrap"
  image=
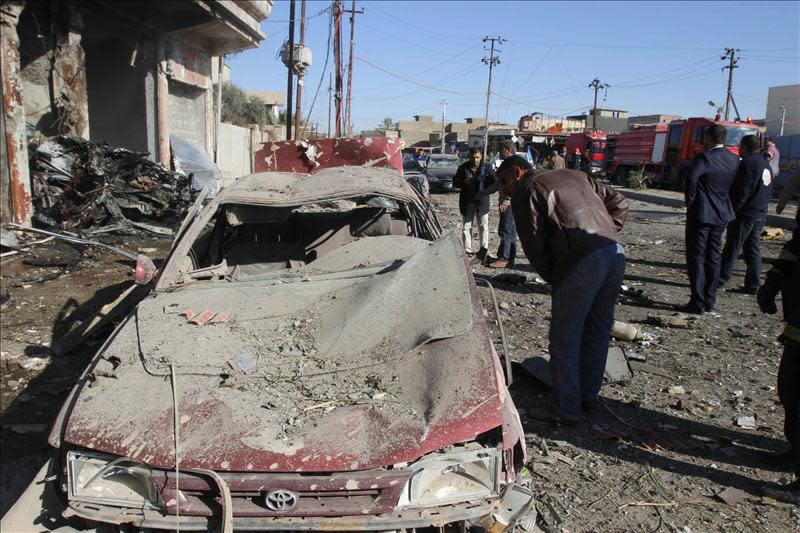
[{"x": 78, "y": 184}]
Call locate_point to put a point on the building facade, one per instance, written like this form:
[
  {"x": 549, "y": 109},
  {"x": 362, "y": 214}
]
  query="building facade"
[
  {"x": 788, "y": 98},
  {"x": 127, "y": 73},
  {"x": 607, "y": 120}
]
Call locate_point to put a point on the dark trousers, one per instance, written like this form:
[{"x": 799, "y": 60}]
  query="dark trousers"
[
  {"x": 744, "y": 235},
  {"x": 580, "y": 324},
  {"x": 507, "y": 230},
  {"x": 789, "y": 392},
  {"x": 702, "y": 260}
]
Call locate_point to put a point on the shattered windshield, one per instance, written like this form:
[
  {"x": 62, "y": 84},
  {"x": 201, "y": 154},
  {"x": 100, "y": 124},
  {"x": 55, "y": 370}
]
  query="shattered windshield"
[{"x": 253, "y": 241}]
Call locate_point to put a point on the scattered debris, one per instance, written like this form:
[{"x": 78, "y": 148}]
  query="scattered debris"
[
  {"x": 244, "y": 362},
  {"x": 677, "y": 320},
  {"x": 746, "y": 422},
  {"x": 676, "y": 389},
  {"x": 647, "y": 368},
  {"x": 78, "y": 184},
  {"x": 771, "y": 234},
  {"x": 626, "y": 332}
]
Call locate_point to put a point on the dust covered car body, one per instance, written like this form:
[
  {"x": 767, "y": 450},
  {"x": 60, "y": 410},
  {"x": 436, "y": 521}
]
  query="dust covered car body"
[{"x": 297, "y": 367}]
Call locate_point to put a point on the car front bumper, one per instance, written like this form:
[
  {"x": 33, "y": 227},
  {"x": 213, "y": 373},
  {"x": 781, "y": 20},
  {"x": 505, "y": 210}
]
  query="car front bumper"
[{"x": 40, "y": 509}]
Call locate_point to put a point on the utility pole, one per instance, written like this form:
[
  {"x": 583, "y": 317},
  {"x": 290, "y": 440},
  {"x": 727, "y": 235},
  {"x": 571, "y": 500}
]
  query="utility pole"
[
  {"x": 337, "y": 58},
  {"x": 330, "y": 97},
  {"x": 597, "y": 85},
  {"x": 491, "y": 61},
  {"x": 730, "y": 55},
  {"x": 348, "y": 102},
  {"x": 444, "y": 108},
  {"x": 298, "y": 115},
  {"x": 783, "y": 117},
  {"x": 290, "y": 69}
]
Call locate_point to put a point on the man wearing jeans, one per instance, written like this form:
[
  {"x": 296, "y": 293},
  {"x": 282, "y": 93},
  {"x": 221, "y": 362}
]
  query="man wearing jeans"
[
  {"x": 506, "y": 229},
  {"x": 569, "y": 225},
  {"x": 749, "y": 196}
]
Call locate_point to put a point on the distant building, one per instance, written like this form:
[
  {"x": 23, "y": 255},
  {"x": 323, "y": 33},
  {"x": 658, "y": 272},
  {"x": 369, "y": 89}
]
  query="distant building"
[
  {"x": 641, "y": 120},
  {"x": 425, "y": 130},
  {"x": 608, "y": 120},
  {"x": 272, "y": 101},
  {"x": 540, "y": 123},
  {"x": 788, "y": 97}
]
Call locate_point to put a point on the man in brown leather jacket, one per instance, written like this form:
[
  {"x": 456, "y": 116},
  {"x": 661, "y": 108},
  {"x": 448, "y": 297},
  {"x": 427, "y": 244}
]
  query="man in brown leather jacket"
[{"x": 569, "y": 225}]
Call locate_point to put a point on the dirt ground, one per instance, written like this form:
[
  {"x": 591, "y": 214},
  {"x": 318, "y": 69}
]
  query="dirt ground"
[{"x": 650, "y": 459}]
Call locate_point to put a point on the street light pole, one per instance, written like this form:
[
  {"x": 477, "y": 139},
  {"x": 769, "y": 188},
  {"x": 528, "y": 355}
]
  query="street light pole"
[{"x": 783, "y": 117}]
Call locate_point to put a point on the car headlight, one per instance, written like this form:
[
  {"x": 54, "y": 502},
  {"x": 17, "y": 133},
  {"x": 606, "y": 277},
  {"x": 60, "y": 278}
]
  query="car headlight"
[
  {"x": 117, "y": 481},
  {"x": 452, "y": 477}
]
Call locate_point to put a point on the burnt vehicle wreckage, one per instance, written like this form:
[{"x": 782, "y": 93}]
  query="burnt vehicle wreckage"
[{"x": 295, "y": 367}]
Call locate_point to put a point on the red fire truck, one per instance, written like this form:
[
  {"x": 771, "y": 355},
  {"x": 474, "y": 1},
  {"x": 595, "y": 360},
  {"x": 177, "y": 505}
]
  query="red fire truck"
[
  {"x": 592, "y": 146},
  {"x": 665, "y": 151}
]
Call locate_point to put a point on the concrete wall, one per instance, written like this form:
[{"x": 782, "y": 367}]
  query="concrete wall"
[
  {"x": 234, "y": 150},
  {"x": 787, "y": 96}
]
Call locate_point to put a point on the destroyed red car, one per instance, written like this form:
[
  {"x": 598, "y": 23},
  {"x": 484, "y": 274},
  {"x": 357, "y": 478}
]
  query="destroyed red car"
[{"x": 313, "y": 355}]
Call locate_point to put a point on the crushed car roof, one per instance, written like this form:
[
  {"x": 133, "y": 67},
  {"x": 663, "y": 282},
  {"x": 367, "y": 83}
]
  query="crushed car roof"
[{"x": 289, "y": 188}]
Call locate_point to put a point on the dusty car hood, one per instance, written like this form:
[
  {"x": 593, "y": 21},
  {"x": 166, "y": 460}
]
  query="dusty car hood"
[{"x": 353, "y": 372}]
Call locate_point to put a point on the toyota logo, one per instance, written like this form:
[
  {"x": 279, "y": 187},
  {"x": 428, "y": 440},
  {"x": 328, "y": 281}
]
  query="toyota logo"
[{"x": 280, "y": 500}]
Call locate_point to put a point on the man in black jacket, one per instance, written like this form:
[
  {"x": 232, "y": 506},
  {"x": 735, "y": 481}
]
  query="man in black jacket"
[
  {"x": 708, "y": 211},
  {"x": 749, "y": 196},
  {"x": 472, "y": 178}
]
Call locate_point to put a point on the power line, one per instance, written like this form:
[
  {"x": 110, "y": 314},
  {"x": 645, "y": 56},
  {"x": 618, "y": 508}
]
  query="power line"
[
  {"x": 324, "y": 66},
  {"x": 408, "y": 80}
]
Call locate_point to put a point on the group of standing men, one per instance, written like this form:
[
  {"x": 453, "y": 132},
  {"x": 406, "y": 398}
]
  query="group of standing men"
[
  {"x": 725, "y": 193},
  {"x": 569, "y": 227},
  {"x": 476, "y": 181}
]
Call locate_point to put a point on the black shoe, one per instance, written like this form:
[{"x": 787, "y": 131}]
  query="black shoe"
[
  {"x": 789, "y": 493},
  {"x": 788, "y": 459},
  {"x": 692, "y": 308},
  {"x": 482, "y": 254}
]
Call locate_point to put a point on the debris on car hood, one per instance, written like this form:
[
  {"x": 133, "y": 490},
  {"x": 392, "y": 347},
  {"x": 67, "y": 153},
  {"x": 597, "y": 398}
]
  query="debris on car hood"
[
  {"x": 78, "y": 184},
  {"x": 287, "y": 385}
]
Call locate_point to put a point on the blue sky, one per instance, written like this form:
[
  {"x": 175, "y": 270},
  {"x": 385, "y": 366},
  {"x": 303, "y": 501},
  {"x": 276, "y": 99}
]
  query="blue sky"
[{"x": 657, "y": 57}]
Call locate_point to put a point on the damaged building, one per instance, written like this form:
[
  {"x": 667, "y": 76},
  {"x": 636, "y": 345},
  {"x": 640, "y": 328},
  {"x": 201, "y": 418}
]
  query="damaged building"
[{"x": 126, "y": 73}]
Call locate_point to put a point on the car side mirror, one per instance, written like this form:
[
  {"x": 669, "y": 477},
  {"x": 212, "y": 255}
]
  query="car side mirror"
[{"x": 144, "y": 271}]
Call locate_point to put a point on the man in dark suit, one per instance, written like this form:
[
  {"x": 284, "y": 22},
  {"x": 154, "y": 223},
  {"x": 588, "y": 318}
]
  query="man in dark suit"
[{"x": 708, "y": 211}]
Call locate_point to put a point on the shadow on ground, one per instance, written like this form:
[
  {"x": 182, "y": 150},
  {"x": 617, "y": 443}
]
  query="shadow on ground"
[{"x": 686, "y": 441}]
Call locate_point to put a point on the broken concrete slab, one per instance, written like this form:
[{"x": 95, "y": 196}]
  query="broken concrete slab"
[
  {"x": 732, "y": 496},
  {"x": 617, "y": 367}
]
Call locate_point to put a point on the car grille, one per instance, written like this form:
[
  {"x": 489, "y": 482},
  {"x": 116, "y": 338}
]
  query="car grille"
[{"x": 339, "y": 494}]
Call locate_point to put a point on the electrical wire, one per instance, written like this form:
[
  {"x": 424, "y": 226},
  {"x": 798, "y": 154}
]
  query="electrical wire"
[
  {"x": 324, "y": 67},
  {"x": 413, "y": 82}
]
